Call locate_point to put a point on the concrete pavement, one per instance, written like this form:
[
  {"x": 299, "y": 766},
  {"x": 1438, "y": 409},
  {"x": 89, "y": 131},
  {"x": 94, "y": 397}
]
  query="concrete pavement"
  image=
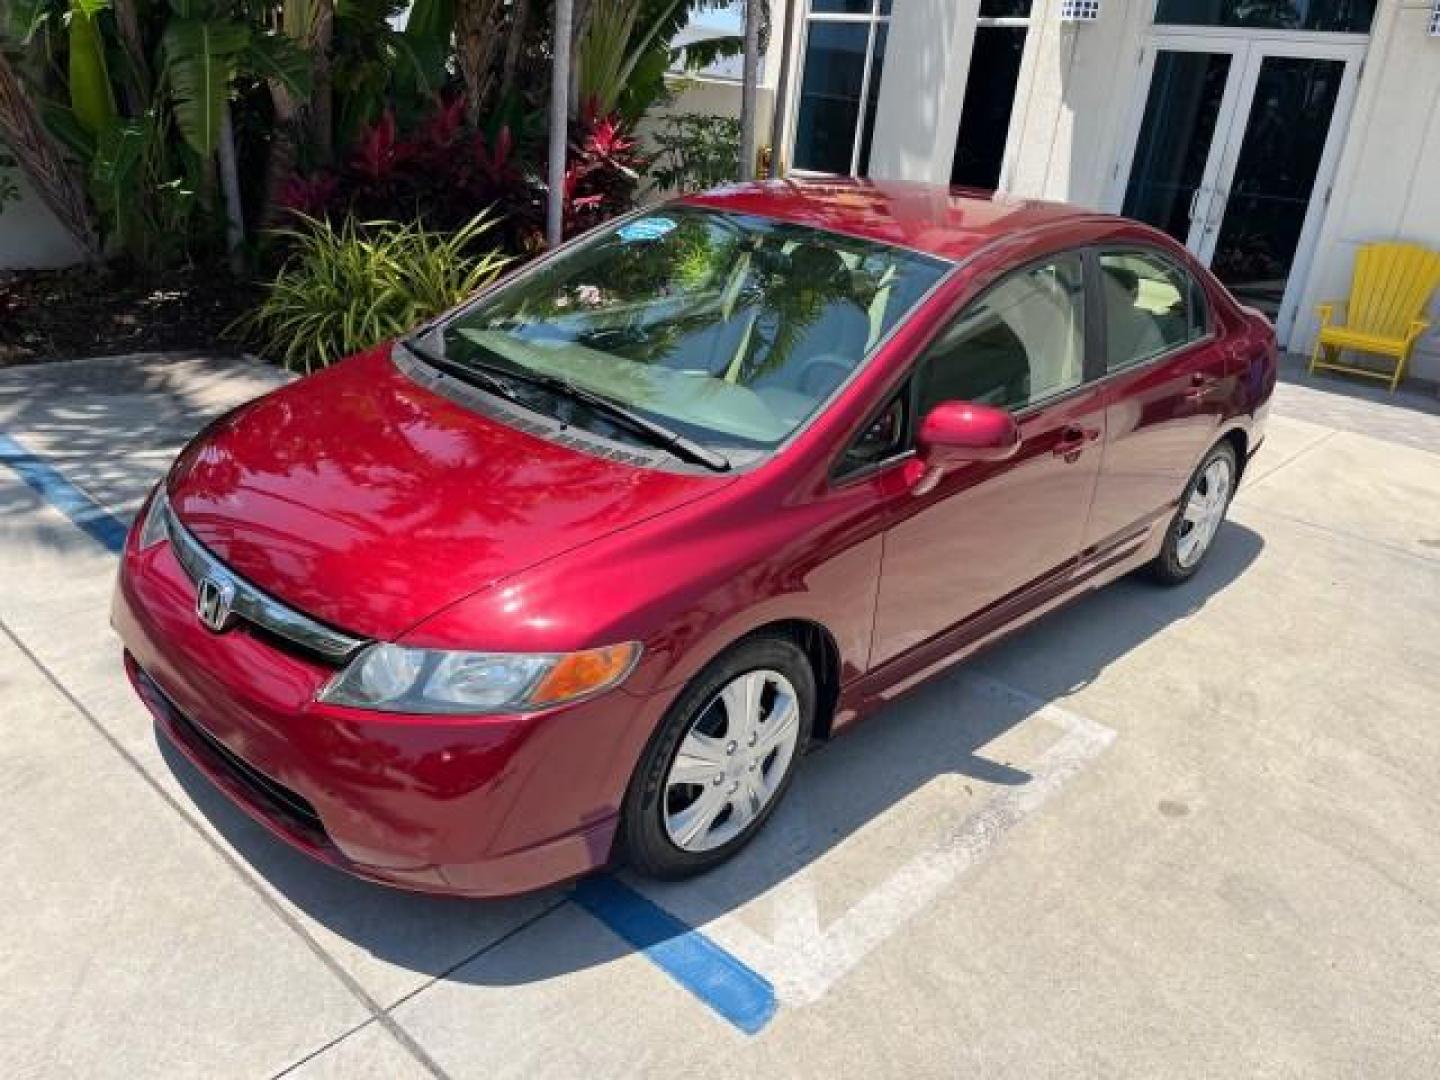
[{"x": 1165, "y": 832}]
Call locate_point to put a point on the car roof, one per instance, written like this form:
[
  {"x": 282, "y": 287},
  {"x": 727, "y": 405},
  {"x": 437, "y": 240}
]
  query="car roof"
[{"x": 951, "y": 223}]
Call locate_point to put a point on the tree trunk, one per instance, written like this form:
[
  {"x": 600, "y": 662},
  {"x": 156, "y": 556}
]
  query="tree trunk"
[
  {"x": 582, "y": 12},
  {"x": 477, "y": 33},
  {"x": 322, "y": 123},
  {"x": 559, "y": 121},
  {"x": 284, "y": 153},
  {"x": 300, "y": 23},
  {"x": 230, "y": 185},
  {"x": 514, "y": 45},
  {"x": 782, "y": 93},
  {"x": 136, "y": 86},
  {"x": 749, "y": 85},
  {"x": 49, "y": 174}
]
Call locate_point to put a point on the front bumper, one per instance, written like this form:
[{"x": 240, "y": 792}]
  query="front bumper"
[{"x": 478, "y": 806}]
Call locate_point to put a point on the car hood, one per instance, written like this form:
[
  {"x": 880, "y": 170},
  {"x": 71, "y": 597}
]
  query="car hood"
[{"x": 370, "y": 502}]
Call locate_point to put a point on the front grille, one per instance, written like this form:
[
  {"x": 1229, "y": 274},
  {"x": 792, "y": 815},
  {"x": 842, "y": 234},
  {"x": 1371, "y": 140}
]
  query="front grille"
[
  {"x": 273, "y": 794},
  {"x": 274, "y": 620}
]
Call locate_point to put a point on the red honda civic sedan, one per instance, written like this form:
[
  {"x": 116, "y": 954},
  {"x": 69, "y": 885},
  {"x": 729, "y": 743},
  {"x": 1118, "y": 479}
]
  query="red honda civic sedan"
[{"x": 578, "y": 570}]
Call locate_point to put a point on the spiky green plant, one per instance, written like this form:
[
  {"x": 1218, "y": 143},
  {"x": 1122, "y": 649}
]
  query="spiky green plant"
[{"x": 346, "y": 288}]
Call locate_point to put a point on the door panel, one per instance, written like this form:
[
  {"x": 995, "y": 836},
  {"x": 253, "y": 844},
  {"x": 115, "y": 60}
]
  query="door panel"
[
  {"x": 988, "y": 531},
  {"x": 1159, "y": 420}
]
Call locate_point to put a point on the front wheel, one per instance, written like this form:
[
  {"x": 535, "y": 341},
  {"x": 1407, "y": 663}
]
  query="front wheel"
[
  {"x": 1198, "y": 518},
  {"x": 721, "y": 761}
]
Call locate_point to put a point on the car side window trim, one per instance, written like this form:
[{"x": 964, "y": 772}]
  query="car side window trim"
[
  {"x": 1199, "y": 296},
  {"x": 841, "y": 475}
]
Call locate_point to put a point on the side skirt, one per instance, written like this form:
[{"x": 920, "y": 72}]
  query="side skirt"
[{"x": 1094, "y": 571}]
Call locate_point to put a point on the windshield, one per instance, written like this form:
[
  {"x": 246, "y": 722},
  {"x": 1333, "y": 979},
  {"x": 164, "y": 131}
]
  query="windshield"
[{"x": 726, "y": 328}]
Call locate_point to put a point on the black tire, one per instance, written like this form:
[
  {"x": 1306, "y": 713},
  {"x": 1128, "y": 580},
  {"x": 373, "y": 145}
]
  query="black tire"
[
  {"x": 644, "y": 840},
  {"x": 1169, "y": 567}
]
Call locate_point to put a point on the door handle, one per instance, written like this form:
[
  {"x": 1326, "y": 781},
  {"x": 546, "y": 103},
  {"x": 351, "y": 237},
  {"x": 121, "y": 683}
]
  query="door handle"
[
  {"x": 1072, "y": 441},
  {"x": 1200, "y": 386}
]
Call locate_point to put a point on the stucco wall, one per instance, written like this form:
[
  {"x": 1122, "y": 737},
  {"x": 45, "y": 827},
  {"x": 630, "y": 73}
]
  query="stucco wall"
[
  {"x": 1078, "y": 87},
  {"x": 29, "y": 234},
  {"x": 1387, "y": 185}
]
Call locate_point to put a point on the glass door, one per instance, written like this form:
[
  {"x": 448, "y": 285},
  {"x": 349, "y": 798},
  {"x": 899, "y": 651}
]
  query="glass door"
[
  {"x": 1176, "y": 154},
  {"x": 1233, "y": 154},
  {"x": 1274, "y": 178}
]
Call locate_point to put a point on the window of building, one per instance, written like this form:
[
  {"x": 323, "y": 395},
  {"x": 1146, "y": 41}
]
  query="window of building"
[
  {"x": 1021, "y": 342},
  {"x": 844, "y": 56},
  {"x": 1151, "y": 307},
  {"x": 1342, "y": 16},
  {"x": 990, "y": 92}
]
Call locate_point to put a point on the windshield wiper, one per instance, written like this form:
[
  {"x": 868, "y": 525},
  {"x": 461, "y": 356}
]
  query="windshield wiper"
[
  {"x": 679, "y": 445},
  {"x": 493, "y": 376},
  {"x": 472, "y": 373},
  {"x": 657, "y": 434}
]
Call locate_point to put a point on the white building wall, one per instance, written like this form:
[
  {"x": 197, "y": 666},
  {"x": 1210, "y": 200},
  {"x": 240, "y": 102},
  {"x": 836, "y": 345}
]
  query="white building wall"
[
  {"x": 917, "y": 116},
  {"x": 1074, "y": 97},
  {"x": 1079, "y": 88},
  {"x": 1387, "y": 186},
  {"x": 30, "y": 237}
]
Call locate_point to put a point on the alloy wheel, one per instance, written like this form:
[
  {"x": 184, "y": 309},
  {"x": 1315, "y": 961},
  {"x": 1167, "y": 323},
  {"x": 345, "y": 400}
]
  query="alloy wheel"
[
  {"x": 1204, "y": 511},
  {"x": 732, "y": 761}
]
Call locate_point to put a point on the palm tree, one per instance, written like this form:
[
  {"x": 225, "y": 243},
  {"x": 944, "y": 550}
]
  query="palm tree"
[
  {"x": 49, "y": 174},
  {"x": 749, "y": 86},
  {"x": 477, "y": 37}
]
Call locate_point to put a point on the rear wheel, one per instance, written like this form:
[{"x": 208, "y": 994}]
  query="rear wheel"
[
  {"x": 1198, "y": 518},
  {"x": 721, "y": 761}
]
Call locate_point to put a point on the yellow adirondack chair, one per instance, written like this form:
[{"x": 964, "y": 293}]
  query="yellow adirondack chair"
[{"x": 1388, "y": 295}]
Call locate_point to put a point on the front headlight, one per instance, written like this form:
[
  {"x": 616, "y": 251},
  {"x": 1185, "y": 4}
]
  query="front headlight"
[
  {"x": 155, "y": 526},
  {"x": 392, "y": 678}
]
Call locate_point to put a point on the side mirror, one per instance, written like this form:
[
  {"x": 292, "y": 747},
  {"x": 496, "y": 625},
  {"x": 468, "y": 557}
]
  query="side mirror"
[{"x": 957, "y": 432}]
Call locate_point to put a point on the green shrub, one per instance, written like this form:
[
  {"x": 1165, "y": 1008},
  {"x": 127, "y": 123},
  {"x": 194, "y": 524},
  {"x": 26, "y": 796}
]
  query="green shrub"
[
  {"x": 348, "y": 288},
  {"x": 696, "y": 152}
]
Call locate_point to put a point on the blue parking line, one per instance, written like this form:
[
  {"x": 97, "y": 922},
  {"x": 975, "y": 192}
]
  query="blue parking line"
[
  {"x": 720, "y": 980},
  {"x": 108, "y": 530},
  {"x": 732, "y": 989}
]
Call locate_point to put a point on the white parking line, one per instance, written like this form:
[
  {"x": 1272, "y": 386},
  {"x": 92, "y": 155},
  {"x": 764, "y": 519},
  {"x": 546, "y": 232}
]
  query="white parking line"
[{"x": 804, "y": 960}]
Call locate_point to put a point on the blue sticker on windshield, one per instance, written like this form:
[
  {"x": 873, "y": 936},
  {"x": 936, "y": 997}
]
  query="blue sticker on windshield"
[{"x": 648, "y": 228}]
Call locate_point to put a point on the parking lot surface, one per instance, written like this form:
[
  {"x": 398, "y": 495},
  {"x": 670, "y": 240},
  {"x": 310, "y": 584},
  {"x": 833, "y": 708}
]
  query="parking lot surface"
[{"x": 1162, "y": 833}]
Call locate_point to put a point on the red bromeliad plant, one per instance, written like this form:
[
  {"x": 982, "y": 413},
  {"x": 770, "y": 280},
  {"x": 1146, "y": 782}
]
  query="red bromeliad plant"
[
  {"x": 602, "y": 172},
  {"x": 442, "y": 173}
]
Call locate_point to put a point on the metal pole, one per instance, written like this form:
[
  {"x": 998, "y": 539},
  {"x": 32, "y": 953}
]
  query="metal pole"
[
  {"x": 750, "y": 79},
  {"x": 559, "y": 121}
]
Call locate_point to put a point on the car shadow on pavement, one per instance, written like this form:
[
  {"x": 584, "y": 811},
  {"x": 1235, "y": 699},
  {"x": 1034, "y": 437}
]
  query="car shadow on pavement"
[{"x": 937, "y": 731}]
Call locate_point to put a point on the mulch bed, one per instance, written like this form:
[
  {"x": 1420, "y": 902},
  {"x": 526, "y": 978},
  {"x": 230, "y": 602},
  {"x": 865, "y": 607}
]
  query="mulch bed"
[{"x": 111, "y": 310}]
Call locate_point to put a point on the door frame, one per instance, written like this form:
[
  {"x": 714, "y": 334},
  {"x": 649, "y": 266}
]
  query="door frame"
[{"x": 1248, "y": 49}]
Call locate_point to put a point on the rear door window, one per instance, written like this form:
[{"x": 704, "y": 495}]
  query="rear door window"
[{"x": 1152, "y": 307}]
